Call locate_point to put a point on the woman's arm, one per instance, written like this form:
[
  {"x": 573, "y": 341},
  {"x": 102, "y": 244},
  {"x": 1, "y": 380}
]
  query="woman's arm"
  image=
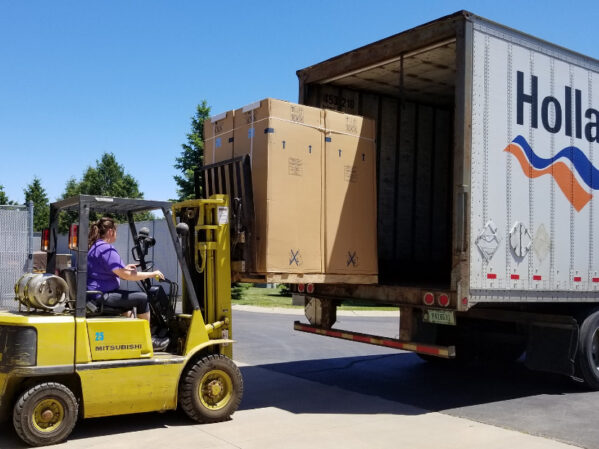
[{"x": 130, "y": 273}]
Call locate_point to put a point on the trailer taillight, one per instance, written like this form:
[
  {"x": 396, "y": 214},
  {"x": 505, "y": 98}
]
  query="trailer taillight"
[
  {"x": 45, "y": 243},
  {"x": 73, "y": 230},
  {"x": 443, "y": 300},
  {"x": 310, "y": 289},
  {"x": 301, "y": 288},
  {"x": 429, "y": 299}
]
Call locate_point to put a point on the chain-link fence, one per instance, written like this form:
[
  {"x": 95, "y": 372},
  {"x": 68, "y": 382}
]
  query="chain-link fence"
[{"x": 16, "y": 240}]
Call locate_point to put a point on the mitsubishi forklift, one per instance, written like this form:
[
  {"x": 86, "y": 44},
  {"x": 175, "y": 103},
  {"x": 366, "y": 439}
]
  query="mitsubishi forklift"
[{"x": 63, "y": 357}]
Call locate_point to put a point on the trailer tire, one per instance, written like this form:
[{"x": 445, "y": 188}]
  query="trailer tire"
[
  {"x": 45, "y": 414},
  {"x": 587, "y": 357},
  {"x": 211, "y": 389}
]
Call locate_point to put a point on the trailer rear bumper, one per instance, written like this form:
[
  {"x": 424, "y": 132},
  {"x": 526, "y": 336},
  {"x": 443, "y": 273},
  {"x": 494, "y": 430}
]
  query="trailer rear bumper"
[{"x": 447, "y": 352}]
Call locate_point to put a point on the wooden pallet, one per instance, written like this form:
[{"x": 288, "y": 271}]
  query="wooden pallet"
[{"x": 305, "y": 278}]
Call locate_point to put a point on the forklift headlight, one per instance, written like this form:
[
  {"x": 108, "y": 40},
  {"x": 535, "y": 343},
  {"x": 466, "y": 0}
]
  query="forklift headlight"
[{"x": 18, "y": 346}]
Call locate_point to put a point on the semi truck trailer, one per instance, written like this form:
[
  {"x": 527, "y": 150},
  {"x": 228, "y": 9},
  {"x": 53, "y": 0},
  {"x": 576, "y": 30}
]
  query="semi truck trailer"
[{"x": 487, "y": 147}]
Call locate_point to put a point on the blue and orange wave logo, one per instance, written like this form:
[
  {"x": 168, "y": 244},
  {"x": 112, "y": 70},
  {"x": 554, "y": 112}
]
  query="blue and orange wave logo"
[{"x": 534, "y": 166}]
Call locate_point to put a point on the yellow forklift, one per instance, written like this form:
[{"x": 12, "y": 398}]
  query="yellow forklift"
[{"x": 63, "y": 358}]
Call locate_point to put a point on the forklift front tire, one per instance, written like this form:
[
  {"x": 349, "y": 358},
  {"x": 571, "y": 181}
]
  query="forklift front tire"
[
  {"x": 211, "y": 389},
  {"x": 45, "y": 414}
]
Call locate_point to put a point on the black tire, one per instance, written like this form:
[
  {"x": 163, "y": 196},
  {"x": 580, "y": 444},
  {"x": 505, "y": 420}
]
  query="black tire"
[
  {"x": 211, "y": 389},
  {"x": 45, "y": 414},
  {"x": 587, "y": 358}
]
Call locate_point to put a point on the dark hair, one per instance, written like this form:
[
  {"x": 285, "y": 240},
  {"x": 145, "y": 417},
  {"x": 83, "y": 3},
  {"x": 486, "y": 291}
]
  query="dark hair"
[{"x": 98, "y": 230}]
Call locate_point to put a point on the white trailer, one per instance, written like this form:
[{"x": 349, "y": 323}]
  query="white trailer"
[{"x": 487, "y": 156}]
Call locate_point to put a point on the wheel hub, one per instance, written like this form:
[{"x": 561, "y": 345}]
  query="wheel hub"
[
  {"x": 48, "y": 415},
  {"x": 215, "y": 389}
]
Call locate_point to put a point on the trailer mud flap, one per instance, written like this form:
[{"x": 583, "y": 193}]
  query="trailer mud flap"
[{"x": 552, "y": 347}]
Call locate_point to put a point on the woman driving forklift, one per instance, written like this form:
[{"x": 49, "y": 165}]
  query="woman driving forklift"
[{"x": 105, "y": 269}]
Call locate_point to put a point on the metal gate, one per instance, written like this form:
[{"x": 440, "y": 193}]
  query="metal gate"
[{"x": 16, "y": 246}]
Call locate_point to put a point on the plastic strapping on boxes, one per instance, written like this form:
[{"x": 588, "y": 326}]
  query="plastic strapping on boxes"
[
  {"x": 326, "y": 130},
  {"x": 331, "y": 131},
  {"x": 213, "y": 142},
  {"x": 320, "y": 128},
  {"x": 252, "y": 138},
  {"x": 254, "y": 106},
  {"x": 213, "y": 120}
]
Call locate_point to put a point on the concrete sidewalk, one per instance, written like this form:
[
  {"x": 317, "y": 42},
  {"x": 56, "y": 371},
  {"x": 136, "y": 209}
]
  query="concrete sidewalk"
[{"x": 282, "y": 411}]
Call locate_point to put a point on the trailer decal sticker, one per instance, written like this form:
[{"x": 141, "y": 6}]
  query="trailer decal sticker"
[
  {"x": 520, "y": 240},
  {"x": 541, "y": 243},
  {"x": 488, "y": 241},
  {"x": 534, "y": 166}
]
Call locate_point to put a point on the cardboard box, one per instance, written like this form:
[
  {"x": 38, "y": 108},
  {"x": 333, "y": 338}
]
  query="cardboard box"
[
  {"x": 314, "y": 201},
  {"x": 218, "y": 138},
  {"x": 350, "y": 195},
  {"x": 285, "y": 143}
]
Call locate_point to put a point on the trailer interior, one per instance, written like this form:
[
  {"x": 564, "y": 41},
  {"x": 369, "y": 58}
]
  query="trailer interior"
[{"x": 407, "y": 83}]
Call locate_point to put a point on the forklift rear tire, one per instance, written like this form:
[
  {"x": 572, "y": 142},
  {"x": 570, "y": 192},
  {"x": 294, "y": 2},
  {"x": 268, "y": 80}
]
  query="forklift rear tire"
[
  {"x": 211, "y": 389},
  {"x": 45, "y": 414}
]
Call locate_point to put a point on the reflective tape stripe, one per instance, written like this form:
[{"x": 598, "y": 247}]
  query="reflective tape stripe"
[{"x": 440, "y": 351}]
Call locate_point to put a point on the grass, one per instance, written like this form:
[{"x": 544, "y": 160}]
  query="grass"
[
  {"x": 264, "y": 297},
  {"x": 272, "y": 297}
]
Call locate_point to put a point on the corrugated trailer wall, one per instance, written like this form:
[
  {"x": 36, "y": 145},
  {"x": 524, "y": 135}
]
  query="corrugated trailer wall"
[{"x": 414, "y": 155}]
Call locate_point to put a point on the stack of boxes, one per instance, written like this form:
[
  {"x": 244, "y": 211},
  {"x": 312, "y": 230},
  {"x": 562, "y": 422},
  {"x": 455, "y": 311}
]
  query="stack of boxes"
[{"x": 313, "y": 174}]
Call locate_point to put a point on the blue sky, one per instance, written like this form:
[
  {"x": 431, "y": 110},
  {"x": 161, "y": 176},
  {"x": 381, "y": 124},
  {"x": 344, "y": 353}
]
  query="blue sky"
[{"x": 80, "y": 78}]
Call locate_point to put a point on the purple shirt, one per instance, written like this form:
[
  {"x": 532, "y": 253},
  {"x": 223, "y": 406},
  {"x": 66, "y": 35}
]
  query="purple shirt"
[{"x": 102, "y": 258}]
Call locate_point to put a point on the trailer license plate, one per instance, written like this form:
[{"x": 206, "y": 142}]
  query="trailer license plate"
[{"x": 439, "y": 317}]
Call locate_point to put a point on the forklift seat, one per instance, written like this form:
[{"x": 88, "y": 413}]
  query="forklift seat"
[{"x": 92, "y": 309}]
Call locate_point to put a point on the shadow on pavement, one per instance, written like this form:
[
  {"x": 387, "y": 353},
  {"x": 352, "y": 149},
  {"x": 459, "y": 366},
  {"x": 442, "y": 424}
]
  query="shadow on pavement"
[{"x": 405, "y": 378}]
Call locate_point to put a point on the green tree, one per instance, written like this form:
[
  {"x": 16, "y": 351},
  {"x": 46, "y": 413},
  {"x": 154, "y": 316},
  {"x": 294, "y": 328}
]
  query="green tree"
[
  {"x": 3, "y": 198},
  {"x": 107, "y": 178},
  {"x": 192, "y": 155},
  {"x": 41, "y": 207}
]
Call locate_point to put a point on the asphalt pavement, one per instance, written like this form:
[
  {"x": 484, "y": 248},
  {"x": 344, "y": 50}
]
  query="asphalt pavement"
[
  {"x": 504, "y": 395},
  {"x": 306, "y": 390}
]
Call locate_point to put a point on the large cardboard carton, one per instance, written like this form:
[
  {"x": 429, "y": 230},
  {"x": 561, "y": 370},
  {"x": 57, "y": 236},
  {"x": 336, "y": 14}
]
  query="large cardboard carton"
[
  {"x": 314, "y": 188},
  {"x": 350, "y": 195},
  {"x": 218, "y": 138},
  {"x": 285, "y": 142}
]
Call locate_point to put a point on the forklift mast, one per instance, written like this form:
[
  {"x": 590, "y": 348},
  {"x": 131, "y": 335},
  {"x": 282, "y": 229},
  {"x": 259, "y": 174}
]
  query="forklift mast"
[
  {"x": 207, "y": 250},
  {"x": 233, "y": 178}
]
